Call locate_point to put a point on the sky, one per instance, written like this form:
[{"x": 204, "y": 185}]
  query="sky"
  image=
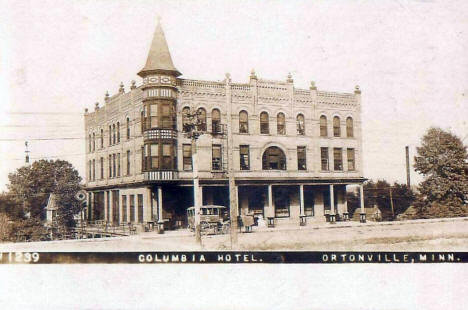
[{"x": 409, "y": 57}]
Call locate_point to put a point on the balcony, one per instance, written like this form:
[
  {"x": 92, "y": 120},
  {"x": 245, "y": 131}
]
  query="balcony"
[
  {"x": 157, "y": 133},
  {"x": 161, "y": 175}
]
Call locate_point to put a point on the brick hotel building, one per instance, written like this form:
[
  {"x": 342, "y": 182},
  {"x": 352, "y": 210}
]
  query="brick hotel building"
[{"x": 294, "y": 150}]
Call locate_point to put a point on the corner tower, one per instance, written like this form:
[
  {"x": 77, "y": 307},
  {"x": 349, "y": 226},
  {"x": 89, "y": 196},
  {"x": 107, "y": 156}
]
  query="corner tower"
[{"x": 159, "y": 111}]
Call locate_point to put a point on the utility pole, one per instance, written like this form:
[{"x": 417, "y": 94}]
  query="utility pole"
[
  {"x": 27, "y": 153},
  {"x": 391, "y": 203},
  {"x": 408, "y": 181},
  {"x": 191, "y": 127},
  {"x": 231, "y": 181}
]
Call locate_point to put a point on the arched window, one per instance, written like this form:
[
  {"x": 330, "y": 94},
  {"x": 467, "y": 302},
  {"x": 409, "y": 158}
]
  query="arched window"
[
  {"x": 323, "y": 126},
  {"x": 118, "y": 132},
  {"x": 264, "y": 123},
  {"x": 300, "y": 127},
  {"x": 185, "y": 119},
  {"x": 128, "y": 128},
  {"x": 215, "y": 121},
  {"x": 243, "y": 122},
  {"x": 349, "y": 127},
  {"x": 273, "y": 159},
  {"x": 201, "y": 119},
  {"x": 280, "y": 124},
  {"x": 110, "y": 135},
  {"x": 102, "y": 138},
  {"x": 94, "y": 141},
  {"x": 336, "y": 127},
  {"x": 113, "y": 134}
]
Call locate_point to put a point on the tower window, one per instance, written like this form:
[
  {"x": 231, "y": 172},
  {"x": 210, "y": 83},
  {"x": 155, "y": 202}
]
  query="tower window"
[
  {"x": 102, "y": 168},
  {"x": 102, "y": 138},
  {"x": 118, "y": 132},
  {"x": 114, "y": 136},
  {"x": 128, "y": 162}
]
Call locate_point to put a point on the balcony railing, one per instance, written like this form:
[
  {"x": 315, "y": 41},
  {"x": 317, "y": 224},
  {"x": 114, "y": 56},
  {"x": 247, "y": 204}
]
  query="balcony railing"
[
  {"x": 161, "y": 175},
  {"x": 159, "y": 134}
]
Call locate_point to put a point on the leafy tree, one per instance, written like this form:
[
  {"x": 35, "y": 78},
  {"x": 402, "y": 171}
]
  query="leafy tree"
[
  {"x": 378, "y": 194},
  {"x": 442, "y": 159},
  {"x": 33, "y": 184}
]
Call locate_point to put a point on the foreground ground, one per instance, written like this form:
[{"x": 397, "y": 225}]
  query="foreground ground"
[{"x": 418, "y": 235}]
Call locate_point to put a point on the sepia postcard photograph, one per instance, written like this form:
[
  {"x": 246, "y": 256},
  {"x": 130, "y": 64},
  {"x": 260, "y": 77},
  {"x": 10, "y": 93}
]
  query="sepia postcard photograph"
[{"x": 237, "y": 137}]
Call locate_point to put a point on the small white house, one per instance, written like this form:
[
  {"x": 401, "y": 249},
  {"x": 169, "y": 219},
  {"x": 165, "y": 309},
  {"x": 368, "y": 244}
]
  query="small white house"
[{"x": 51, "y": 209}]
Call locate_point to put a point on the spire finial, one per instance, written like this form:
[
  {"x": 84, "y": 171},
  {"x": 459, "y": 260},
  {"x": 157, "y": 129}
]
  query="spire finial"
[
  {"x": 253, "y": 75},
  {"x": 290, "y": 79}
]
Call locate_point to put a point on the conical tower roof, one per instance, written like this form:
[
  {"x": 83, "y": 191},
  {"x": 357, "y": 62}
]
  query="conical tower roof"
[{"x": 159, "y": 58}]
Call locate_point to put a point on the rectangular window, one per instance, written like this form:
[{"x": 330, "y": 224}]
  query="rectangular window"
[
  {"x": 351, "y": 161},
  {"x": 244, "y": 154},
  {"x": 113, "y": 165},
  {"x": 324, "y": 158},
  {"x": 216, "y": 157},
  {"x": 118, "y": 164},
  {"x": 132, "y": 208},
  {"x": 301, "y": 158},
  {"x": 110, "y": 166},
  {"x": 187, "y": 156},
  {"x": 167, "y": 156},
  {"x": 143, "y": 159},
  {"x": 110, "y": 135},
  {"x": 154, "y": 155},
  {"x": 102, "y": 168},
  {"x": 153, "y": 115},
  {"x": 166, "y": 116},
  {"x": 337, "y": 159},
  {"x": 124, "y": 208},
  {"x": 89, "y": 171},
  {"x": 94, "y": 169},
  {"x": 128, "y": 162},
  {"x": 140, "y": 208}
]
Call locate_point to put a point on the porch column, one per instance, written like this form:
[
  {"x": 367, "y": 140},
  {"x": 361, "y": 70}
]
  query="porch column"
[
  {"x": 332, "y": 204},
  {"x": 345, "y": 206},
  {"x": 121, "y": 210},
  {"x": 200, "y": 196},
  {"x": 270, "y": 200},
  {"x": 271, "y": 212},
  {"x": 301, "y": 200},
  {"x": 160, "y": 210},
  {"x": 92, "y": 202},
  {"x": 106, "y": 215},
  {"x": 111, "y": 206},
  {"x": 361, "y": 198}
]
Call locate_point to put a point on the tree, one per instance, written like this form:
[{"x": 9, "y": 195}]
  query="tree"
[
  {"x": 442, "y": 159},
  {"x": 378, "y": 194},
  {"x": 33, "y": 184}
]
